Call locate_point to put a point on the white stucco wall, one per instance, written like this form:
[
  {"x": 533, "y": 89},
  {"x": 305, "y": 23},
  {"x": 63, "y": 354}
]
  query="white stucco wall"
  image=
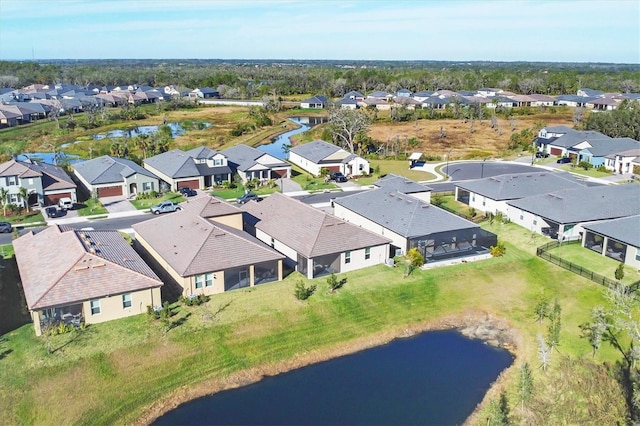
[
  {"x": 305, "y": 164},
  {"x": 378, "y": 255},
  {"x": 352, "y": 217}
]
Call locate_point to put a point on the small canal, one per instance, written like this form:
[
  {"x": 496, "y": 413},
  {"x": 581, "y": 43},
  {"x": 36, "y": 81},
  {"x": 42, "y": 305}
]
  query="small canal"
[
  {"x": 278, "y": 147},
  {"x": 434, "y": 378}
]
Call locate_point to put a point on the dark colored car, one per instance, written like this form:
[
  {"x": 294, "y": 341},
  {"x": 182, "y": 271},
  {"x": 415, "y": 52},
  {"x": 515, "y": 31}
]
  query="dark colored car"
[
  {"x": 542, "y": 154},
  {"x": 564, "y": 160},
  {"x": 188, "y": 192},
  {"x": 248, "y": 197},
  {"x": 338, "y": 177},
  {"x": 52, "y": 211},
  {"x": 5, "y": 227}
]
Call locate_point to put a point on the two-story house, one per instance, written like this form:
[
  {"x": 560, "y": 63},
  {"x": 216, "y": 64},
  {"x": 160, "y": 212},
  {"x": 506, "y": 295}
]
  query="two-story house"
[{"x": 44, "y": 183}]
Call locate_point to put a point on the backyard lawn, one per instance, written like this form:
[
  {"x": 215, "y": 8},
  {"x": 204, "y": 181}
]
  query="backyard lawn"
[{"x": 125, "y": 366}]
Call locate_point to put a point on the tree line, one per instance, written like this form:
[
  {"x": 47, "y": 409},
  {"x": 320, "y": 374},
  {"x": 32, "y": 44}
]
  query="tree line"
[{"x": 251, "y": 79}]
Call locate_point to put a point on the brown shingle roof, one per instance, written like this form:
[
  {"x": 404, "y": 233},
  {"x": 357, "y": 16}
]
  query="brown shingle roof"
[
  {"x": 17, "y": 168},
  {"x": 307, "y": 230},
  {"x": 93, "y": 264},
  {"x": 209, "y": 207},
  {"x": 192, "y": 245}
]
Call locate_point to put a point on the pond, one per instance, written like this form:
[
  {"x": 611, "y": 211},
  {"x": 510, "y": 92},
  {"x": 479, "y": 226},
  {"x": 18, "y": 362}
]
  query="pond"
[
  {"x": 277, "y": 147},
  {"x": 433, "y": 378},
  {"x": 56, "y": 158}
]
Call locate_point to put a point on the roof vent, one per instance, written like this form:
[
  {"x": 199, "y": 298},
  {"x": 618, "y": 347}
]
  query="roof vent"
[
  {"x": 92, "y": 250},
  {"x": 99, "y": 265},
  {"x": 80, "y": 268}
]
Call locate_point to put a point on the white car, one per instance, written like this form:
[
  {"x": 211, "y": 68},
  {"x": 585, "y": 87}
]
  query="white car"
[{"x": 65, "y": 203}]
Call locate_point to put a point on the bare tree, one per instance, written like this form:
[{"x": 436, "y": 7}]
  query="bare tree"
[{"x": 346, "y": 124}]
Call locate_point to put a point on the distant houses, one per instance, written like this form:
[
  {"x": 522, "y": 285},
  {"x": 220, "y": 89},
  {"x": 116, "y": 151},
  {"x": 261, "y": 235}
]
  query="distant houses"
[{"x": 317, "y": 155}]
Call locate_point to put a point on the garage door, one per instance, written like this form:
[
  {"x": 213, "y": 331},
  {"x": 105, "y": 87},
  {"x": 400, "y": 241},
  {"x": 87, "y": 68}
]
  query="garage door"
[
  {"x": 193, "y": 184},
  {"x": 109, "y": 191},
  {"x": 334, "y": 168},
  {"x": 555, "y": 151},
  {"x": 278, "y": 173},
  {"x": 53, "y": 198}
]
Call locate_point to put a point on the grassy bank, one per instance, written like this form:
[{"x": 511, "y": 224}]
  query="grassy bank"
[{"x": 118, "y": 370}]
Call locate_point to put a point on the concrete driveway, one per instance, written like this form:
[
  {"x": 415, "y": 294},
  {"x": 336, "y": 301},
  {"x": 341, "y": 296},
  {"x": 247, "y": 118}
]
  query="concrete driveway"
[{"x": 117, "y": 204}]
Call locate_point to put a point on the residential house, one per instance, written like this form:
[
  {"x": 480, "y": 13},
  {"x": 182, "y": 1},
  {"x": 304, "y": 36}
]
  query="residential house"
[
  {"x": 562, "y": 213},
  {"x": 45, "y": 183},
  {"x": 251, "y": 163},
  {"x": 624, "y": 162},
  {"x": 82, "y": 276},
  {"x": 594, "y": 151},
  {"x": 589, "y": 93},
  {"x": 540, "y": 100},
  {"x": 315, "y": 102},
  {"x": 490, "y": 195},
  {"x": 403, "y": 185},
  {"x": 204, "y": 256},
  {"x": 108, "y": 176},
  {"x": 561, "y": 146},
  {"x": 204, "y": 93},
  {"x": 422, "y": 95},
  {"x": 347, "y": 103},
  {"x": 315, "y": 243},
  {"x": 380, "y": 95},
  {"x": 381, "y": 104},
  {"x": 196, "y": 169},
  {"x": 411, "y": 222},
  {"x": 573, "y": 100},
  {"x": 403, "y": 93},
  {"x": 357, "y": 96},
  {"x": 618, "y": 239},
  {"x": 318, "y": 154}
]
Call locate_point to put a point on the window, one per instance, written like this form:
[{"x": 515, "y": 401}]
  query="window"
[
  {"x": 347, "y": 257},
  {"x": 30, "y": 181},
  {"x": 208, "y": 280},
  {"x": 535, "y": 221},
  {"x": 12, "y": 180},
  {"x": 95, "y": 307},
  {"x": 367, "y": 253},
  {"x": 199, "y": 281},
  {"x": 638, "y": 254},
  {"x": 473, "y": 197},
  {"x": 217, "y": 162},
  {"x": 273, "y": 242},
  {"x": 147, "y": 186},
  {"x": 521, "y": 217},
  {"x": 126, "y": 301}
]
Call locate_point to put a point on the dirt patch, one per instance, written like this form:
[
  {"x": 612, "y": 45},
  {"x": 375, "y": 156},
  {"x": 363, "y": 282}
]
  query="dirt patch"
[{"x": 479, "y": 325}]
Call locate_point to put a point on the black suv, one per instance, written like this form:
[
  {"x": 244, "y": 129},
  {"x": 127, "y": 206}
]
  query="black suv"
[
  {"x": 338, "y": 177},
  {"x": 564, "y": 160},
  {"x": 248, "y": 197},
  {"x": 188, "y": 192},
  {"x": 5, "y": 227},
  {"x": 52, "y": 211},
  {"x": 542, "y": 154}
]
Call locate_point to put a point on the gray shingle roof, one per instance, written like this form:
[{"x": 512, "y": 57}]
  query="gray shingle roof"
[
  {"x": 625, "y": 230},
  {"x": 107, "y": 169},
  {"x": 201, "y": 152},
  {"x": 192, "y": 245},
  {"x": 584, "y": 204},
  {"x": 175, "y": 164},
  {"x": 401, "y": 184},
  {"x": 520, "y": 185},
  {"x": 316, "y": 150},
  {"x": 603, "y": 147},
  {"x": 403, "y": 214},
  {"x": 572, "y": 138},
  {"x": 307, "y": 230},
  {"x": 244, "y": 157},
  {"x": 53, "y": 177},
  {"x": 93, "y": 264}
]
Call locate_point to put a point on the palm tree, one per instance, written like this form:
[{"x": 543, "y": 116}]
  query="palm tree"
[
  {"x": 24, "y": 194},
  {"x": 4, "y": 194},
  {"x": 142, "y": 142}
]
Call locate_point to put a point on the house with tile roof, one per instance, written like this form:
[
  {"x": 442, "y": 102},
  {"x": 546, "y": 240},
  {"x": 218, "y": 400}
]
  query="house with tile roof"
[
  {"x": 45, "y": 183},
  {"x": 98, "y": 277},
  {"x": 411, "y": 222},
  {"x": 490, "y": 195},
  {"x": 214, "y": 210},
  {"x": 204, "y": 256},
  {"x": 198, "y": 168},
  {"x": 251, "y": 163},
  {"x": 318, "y": 154},
  {"x": 618, "y": 239},
  {"x": 108, "y": 176},
  {"x": 315, "y": 243},
  {"x": 563, "y": 213}
]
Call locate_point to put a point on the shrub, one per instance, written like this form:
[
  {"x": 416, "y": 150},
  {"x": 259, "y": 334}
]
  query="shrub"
[
  {"x": 194, "y": 299},
  {"x": 619, "y": 274},
  {"x": 585, "y": 165},
  {"x": 498, "y": 250},
  {"x": 415, "y": 259},
  {"x": 302, "y": 292},
  {"x": 335, "y": 283}
]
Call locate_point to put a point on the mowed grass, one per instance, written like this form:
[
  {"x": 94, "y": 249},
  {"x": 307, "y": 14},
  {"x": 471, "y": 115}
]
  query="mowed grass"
[
  {"x": 146, "y": 203},
  {"x": 118, "y": 369}
]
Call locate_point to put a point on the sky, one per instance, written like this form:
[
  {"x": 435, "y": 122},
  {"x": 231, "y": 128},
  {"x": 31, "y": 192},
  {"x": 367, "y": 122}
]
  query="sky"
[{"x": 455, "y": 30}]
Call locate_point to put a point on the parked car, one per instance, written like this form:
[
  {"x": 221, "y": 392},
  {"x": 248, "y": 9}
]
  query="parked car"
[
  {"x": 65, "y": 203},
  {"x": 542, "y": 154},
  {"x": 52, "y": 211},
  {"x": 564, "y": 160},
  {"x": 188, "y": 192},
  {"x": 248, "y": 197},
  {"x": 338, "y": 177},
  {"x": 5, "y": 227},
  {"x": 165, "y": 207}
]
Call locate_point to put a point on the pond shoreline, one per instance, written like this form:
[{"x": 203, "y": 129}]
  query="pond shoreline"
[{"x": 492, "y": 330}]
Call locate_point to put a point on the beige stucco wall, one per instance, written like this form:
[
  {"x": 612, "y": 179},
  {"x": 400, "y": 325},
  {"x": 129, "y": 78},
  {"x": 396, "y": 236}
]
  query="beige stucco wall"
[
  {"x": 182, "y": 282},
  {"x": 232, "y": 220},
  {"x": 379, "y": 254},
  {"x": 111, "y": 307}
]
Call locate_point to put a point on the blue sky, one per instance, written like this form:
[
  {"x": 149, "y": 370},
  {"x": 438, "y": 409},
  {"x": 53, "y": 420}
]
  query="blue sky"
[{"x": 557, "y": 31}]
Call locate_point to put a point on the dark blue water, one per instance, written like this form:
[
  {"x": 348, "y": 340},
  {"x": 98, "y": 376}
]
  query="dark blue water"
[
  {"x": 56, "y": 158},
  {"x": 276, "y": 147},
  {"x": 436, "y": 378}
]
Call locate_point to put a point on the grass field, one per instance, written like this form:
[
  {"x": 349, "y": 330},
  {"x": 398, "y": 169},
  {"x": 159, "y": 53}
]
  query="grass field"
[
  {"x": 123, "y": 368},
  {"x": 146, "y": 203}
]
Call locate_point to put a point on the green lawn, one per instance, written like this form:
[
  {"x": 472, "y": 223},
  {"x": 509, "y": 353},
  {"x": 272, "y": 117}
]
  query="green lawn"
[
  {"x": 124, "y": 366},
  {"x": 92, "y": 207},
  {"x": 25, "y": 218},
  {"x": 6, "y": 251},
  {"x": 308, "y": 182},
  {"x": 580, "y": 171},
  {"x": 401, "y": 168},
  {"x": 146, "y": 203}
]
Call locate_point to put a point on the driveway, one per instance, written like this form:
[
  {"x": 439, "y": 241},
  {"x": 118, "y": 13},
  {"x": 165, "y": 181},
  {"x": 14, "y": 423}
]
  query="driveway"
[
  {"x": 288, "y": 185},
  {"x": 117, "y": 204}
]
